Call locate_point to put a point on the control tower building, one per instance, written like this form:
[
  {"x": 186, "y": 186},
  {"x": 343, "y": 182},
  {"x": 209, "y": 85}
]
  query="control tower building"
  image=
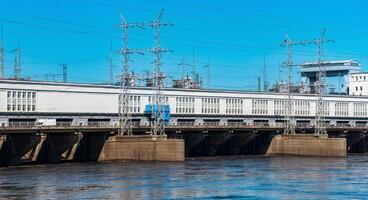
[{"x": 339, "y": 69}]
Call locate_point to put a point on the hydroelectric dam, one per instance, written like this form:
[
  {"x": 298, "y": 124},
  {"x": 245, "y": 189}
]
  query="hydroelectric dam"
[{"x": 48, "y": 122}]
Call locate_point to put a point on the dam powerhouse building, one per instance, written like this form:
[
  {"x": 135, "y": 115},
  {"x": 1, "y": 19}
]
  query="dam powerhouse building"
[{"x": 23, "y": 103}]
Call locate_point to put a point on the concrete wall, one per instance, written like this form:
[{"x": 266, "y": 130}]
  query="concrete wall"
[
  {"x": 142, "y": 148},
  {"x": 84, "y": 98},
  {"x": 308, "y": 145}
]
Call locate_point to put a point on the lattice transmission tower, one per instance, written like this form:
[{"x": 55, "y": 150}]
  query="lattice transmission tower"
[
  {"x": 158, "y": 99},
  {"x": 289, "y": 124},
  {"x": 320, "y": 84},
  {"x": 125, "y": 123}
]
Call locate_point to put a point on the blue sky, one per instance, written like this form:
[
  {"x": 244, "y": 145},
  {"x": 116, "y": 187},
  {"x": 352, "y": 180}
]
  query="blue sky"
[{"x": 233, "y": 35}]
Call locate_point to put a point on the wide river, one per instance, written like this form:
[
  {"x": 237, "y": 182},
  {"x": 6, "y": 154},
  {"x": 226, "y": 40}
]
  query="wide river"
[{"x": 249, "y": 177}]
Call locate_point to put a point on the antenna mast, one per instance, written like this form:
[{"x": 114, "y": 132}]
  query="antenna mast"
[
  {"x": 158, "y": 127},
  {"x": 289, "y": 121}
]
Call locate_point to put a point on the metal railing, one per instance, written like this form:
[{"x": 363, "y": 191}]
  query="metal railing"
[
  {"x": 21, "y": 124},
  {"x": 179, "y": 125}
]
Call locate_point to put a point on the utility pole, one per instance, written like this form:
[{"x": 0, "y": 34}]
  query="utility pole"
[
  {"x": 264, "y": 74},
  {"x": 65, "y": 72},
  {"x": 17, "y": 62},
  {"x": 182, "y": 64},
  {"x": 158, "y": 126},
  {"x": 194, "y": 67},
  {"x": 208, "y": 66},
  {"x": 320, "y": 85},
  {"x": 111, "y": 65},
  {"x": 126, "y": 80},
  {"x": 2, "y": 59},
  {"x": 289, "y": 125},
  {"x": 258, "y": 83}
]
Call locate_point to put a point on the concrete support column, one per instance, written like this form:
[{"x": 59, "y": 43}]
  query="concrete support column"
[
  {"x": 72, "y": 151},
  {"x": 37, "y": 149},
  {"x": 2, "y": 140}
]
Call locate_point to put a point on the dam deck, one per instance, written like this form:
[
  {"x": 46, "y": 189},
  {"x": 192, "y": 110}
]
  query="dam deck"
[{"x": 175, "y": 129}]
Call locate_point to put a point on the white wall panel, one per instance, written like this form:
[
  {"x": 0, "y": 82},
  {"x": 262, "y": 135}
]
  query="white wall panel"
[
  {"x": 77, "y": 102},
  {"x": 3, "y": 102}
]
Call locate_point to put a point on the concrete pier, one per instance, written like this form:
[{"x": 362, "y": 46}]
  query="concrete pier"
[
  {"x": 142, "y": 148},
  {"x": 2, "y": 140},
  {"x": 307, "y": 145}
]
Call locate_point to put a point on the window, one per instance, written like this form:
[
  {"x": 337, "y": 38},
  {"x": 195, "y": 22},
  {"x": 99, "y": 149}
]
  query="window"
[
  {"x": 210, "y": 105},
  {"x": 234, "y": 106},
  {"x": 185, "y": 105},
  {"x": 280, "y": 107},
  {"x": 259, "y": 107},
  {"x": 150, "y": 100},
  {"x": 361, "y": 88},
  {"x": 134, "y": 104},
  {"x": 341, "y": 109},
  {"x": 324, "y": 108},
  {"x": 21, "y": 101},
  {"x": 302, "y": 108},
  {"x": 360, "y": 109}
]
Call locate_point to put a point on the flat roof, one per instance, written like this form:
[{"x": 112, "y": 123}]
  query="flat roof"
[
  {"x": 356, "y": 73},
  {"x": 32, "y": 82},
  {"x": 331, "y": 62}
]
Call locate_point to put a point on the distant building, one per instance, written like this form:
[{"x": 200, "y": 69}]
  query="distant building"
[
  {"x": 358, "y": 84},
  {"x": 342, "y": 69},
  {"x": 188, "y": 83}
]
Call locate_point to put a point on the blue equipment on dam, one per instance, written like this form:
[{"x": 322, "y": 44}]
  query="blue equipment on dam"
[{"x": 165, "y": 110}]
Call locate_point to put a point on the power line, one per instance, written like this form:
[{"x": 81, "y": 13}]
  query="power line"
[
  {"x": 175, "y": 38},
  {"x": 260, "y": 15},
  {"x": 58, "y": 21},
  {"x": 212, "y": 20}
]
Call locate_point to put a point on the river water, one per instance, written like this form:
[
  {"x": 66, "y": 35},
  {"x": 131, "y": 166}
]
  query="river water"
[{"x": 249, "y": 177}]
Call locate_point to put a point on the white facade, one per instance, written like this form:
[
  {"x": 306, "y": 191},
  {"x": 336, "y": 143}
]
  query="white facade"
[
  {"x": 101, "y": 100},
  {"x": 358, "y": 84}
]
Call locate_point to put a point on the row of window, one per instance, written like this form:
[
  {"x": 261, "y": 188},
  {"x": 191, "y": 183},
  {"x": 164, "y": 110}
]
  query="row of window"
[
  {"x": 298, "y": 107},
  {"x": 185, "y": 105},
  {"x": 357, "y": 78},
  {"x": 210, "y": 105},
  {"x": 259, "y": 107},
  {"x": 134, "y": 104},
  {"x": 21, "y": 101},
  {"x": 234, "y": 106},
  {"x": 26, "y": 101}
]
